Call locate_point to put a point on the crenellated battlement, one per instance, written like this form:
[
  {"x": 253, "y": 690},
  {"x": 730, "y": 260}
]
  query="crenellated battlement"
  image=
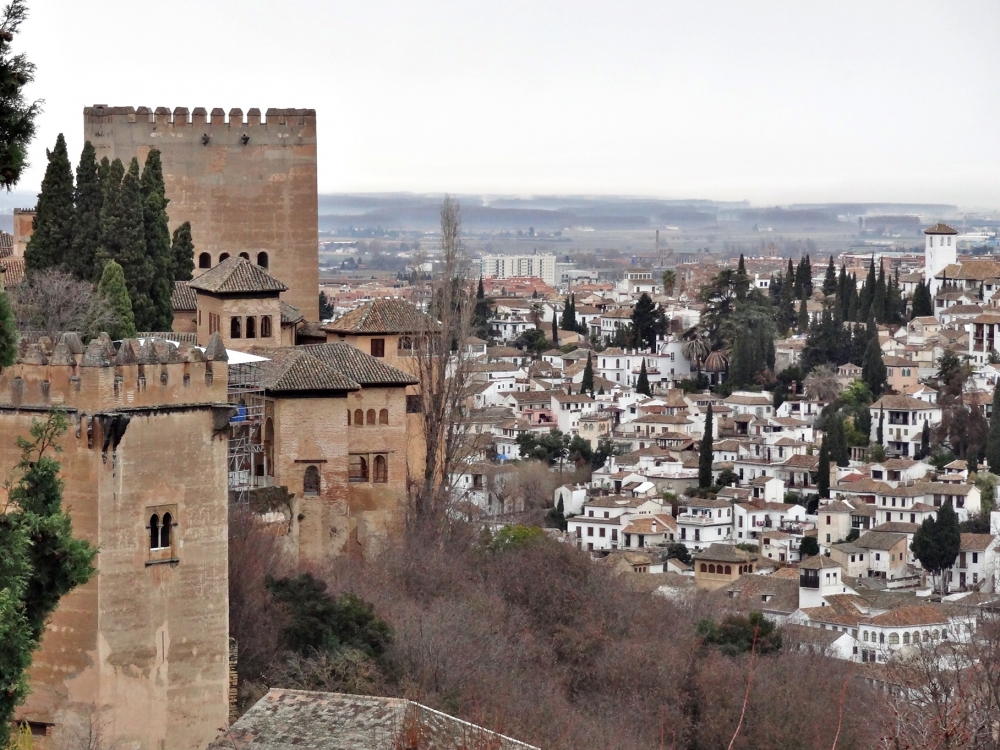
[
  {"x": 153, "y": 373},
  {"x": 200, "y": 116}
]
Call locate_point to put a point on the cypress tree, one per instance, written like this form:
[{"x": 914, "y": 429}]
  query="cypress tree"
[
  {"x": 791, "y": 277},
  {"x": 742, "y": 281},
  {"x": 925, "y": 440},
  {"x": 157, "y": 234},
  {"x": 843, "y": 297},
  {"x": 823, "y": 470},
  {"x": 705, "y": 453},
  {"x": 123, "y": 239},
  {"x": 937, "y": 542},
  {"x": 993, "y": 437},
  {"x": 803, "y": 322},
  {"x": 51, "y": 243},
  {"x": 8, "y": 332},
  {"x": 113, "y": 290},
  {"x": 921, "y": 304},
  {"x": 873, "y": 370},
  {"x": 854, "y": 305},
  {"x": 879, "y": 433},
  {"x": 807, "y": 278},
  {"x": 555, "y": 330},
  {"x": 879, "y": 296},
  {"x": 867, "y": 292},
  {"x": 182, "y": 250},
  {"x": 642, "y": 385},
  {"x": 786, "y": 311},
  {"x": 587, "y": 384},
  {"x": 87, "y": 220},
  {"x": 830, "y": 281}
]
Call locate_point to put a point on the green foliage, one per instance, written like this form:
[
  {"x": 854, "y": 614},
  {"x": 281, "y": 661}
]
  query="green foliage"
[
  {"x": 644, "y": 320},
  {"x": 568, "y": 321},
  {"x": 112, "y": 288},
  {"x": 830, "y": 280},
  {"x": 17, "y": 117},
  {"x": 705, "y": 452},
  {"x": 642, "y": 384},
  {"x": 823, "y": 470},
  {"x": 937, "y": 542},
  {"x": 803, "y": 319},
  {"x": 679, "y": 551},
  {"x": 50, "y": 243},
  {"x": 737, "y": 634},
  {"x": 319, "y": 623},
  {"x": 182, "y": 251},
  {"x": 951, "y": 376},
  {"x": 809, "y": 546},
  {"x": 516, "y": 537},
  {"x": 557, "y": 516},
  {"x": 922, "y": 305},
  {"x": 873, "y": 370},
  {"x": 123, "y": 236},
  {"x": 325, "y": 308},
  {"x": 532, "y": 339},
  {"x": 748, "y": 547},
  {"x": 8, "y": 332},
  {"x": 159, "y": 253},
  {"x": 41, "y": 560},
  {"x": 89, "y": 199},
  {"x": 587, "y": 384},
  {"x": 552, "y": 447},
  {"x": 727, "y": 477}
]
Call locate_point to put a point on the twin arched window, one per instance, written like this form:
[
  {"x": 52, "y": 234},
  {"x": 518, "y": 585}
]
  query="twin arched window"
[
  {"x": 265, "y": 326},
  {"x": 235, "y": 328},
  {"x": 370, "y": 416},
  {"x": 251, "y": 327},
  {"x": 159, "y": 533},
  {"x": 381, "y": 470}
]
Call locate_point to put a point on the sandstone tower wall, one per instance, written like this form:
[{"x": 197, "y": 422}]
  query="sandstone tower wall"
[{"x": 247, "y": 184}]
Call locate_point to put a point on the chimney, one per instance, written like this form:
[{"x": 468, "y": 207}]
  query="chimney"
[{"x": 654, "y": 525}]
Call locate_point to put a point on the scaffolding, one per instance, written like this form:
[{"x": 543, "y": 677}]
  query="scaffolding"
[{"x": 246, "y": 393}]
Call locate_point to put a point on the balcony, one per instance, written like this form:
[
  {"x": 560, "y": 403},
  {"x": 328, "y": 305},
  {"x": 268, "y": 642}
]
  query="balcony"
[
  {"x": 809, "y": 579},
  {"x": 701, "y": 519}
]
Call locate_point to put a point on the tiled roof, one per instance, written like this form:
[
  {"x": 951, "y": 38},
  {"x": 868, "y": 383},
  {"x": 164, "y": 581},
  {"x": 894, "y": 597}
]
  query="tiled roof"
[
  {"x": 920, "y": 614},
  {"x": 13, "y": 271},
  {"x": 897, "y": 527},
  {"x": 818, "y": 562},
  {"x": 183, "y": 297},
  {"x": 236, "y": 275},
  {"x": 880, "y": 540},
  {"x": 360, "y": 367},
  {"x": 644, "y": 525},
  {"x": 613, "y": 501},
  {"x": 940, "y": 229},
  {"x": 290, "y": 314},
  {"x": 976, "y": 542},
  {"x": 6, "y": 244},
  {"x": 293, "y": 369},
  {"x": 749, "y": 591},
  {"x": 901, "y": 402},
  {"x": 725, "y": 553},
  {"x": 382, "y": 316}
]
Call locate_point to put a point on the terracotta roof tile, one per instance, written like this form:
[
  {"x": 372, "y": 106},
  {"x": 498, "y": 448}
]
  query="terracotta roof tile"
[
  {"x": 236, "y": 275},
  {"x": 183, "y": 297},
  {"x": 382, "y": 316},
  {"x": 358, "y": 366},
  {"x": 293, "y": 369}
]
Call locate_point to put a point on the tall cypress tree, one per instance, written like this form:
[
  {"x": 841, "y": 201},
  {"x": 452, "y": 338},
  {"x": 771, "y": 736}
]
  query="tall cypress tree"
[
  {"x": 803, "y": 322},
  {"x": 880, "y": 430},
  {"x": 113, "y": 290},
  {"x": 993, "y": 438},
  {"x": 51, "y": 243},
  {"x": 8, "y": 333},
  {"x": 823, "y": 470},
  {"x": 182, "y": 250},
  {"x": 158, "y": 250},
  {"x": 879, "y": 297},
  {"x": 87, "y": 221},
  {"x": 807, "y": 276},
  {"x": 922, "y": 305},
  {"x": 587, "y": 384},
  {"x": 123, "y": 239},
  {"x": 843, "y": 299},
  {"x": 705, "y": 453},
  {"x": 642, "y": 385},
  {"x": 873, "y": 370},
  {"x": 867, "y": 292}
]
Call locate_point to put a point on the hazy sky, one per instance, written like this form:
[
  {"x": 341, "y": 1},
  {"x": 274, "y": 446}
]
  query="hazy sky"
[{"x": 775, "y": 102}]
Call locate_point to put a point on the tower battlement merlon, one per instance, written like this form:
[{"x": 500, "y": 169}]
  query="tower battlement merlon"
[{"x": 199, "y": 116}]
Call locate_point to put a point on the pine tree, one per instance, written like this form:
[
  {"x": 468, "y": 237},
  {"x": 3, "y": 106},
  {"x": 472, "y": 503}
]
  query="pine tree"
[
  {"x": 587, "y": 384},
  {"x": 993, "y": 438},
  {"x": 873, "y": 370},
  {"x": 123, "y": 239},
  {"x": 705, "y": 450},
  {"x": 113, "y": 290},
  {"x": 182, "y": 250},
  {"x": 51, "y": 243},
  {"x": 803, "y": 321},
  {"x": 642, "y": 385},
  {"x": 823, "y": 470},
  {"x": 158, "y": 250},
  {"x": 830, "y": 280},
  {"x": 87, "y": 218},
  {"x": 17, "y": 117},
  {"x": 8, "y": 332}
]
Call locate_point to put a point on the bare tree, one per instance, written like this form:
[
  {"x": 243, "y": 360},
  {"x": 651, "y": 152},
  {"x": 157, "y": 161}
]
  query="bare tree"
[
  {"x": 822, "y": 384},
  {"x": 443, "y": 365},
  {"x": 51, "y": 302}
]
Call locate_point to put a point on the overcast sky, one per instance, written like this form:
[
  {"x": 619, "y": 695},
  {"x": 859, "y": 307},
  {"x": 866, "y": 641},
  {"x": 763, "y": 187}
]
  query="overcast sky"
[{"x": 775, "y": 102}]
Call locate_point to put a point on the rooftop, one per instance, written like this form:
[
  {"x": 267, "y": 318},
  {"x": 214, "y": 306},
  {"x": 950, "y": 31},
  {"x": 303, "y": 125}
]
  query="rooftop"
[{"x": 236, "y": 275}]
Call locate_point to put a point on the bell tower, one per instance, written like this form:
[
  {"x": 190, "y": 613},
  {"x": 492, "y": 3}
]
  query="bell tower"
[{"x": 940, "y": 251}]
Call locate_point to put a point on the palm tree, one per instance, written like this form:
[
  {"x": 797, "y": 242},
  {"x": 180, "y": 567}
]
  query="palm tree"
[
  {"x": 535, "y": 314},
  {"x": 669, "y": 281},
  {"x": 696, "y": 346},
  {"x": 822, "y": 384}
]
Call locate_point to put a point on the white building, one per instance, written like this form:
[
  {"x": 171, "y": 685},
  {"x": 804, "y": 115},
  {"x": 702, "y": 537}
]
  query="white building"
[
  {"x": 940, "y": 251},
  {"x": 519, "y": 266}
]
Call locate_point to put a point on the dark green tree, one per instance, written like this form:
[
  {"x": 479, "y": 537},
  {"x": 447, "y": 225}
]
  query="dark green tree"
[
  {"x": 113, "y": 290},
  {"x": 830, "y": 281},
  {"x": 41, "y": 560},
  {"x": 863, "y": 421},
  {"x": 642, "y": 384},
  {"x": 8, "y": 332},
  {"x": 17, "y": 117},
  {"x": 873, "y": 371},
  {"x": 937, "y": 542},
  {"x": 925, "y": 440},
  {"x": 823, "y": 470},
  {"x": 89, "y": 199},
  {"x": 922, "y": 305},
  {"x": 809, "y": 546},
  {"x": 803, "y": 319},
  {"x": 568, "y": 322},
  {"x": 159, "y": 254},
  {"x": 739, "y": 634},
  {"x": 705, "y": 453},
  {"x": 867, "y": 292},
  {"x": 878, "y": 308},
  {"x": 644, "y": 320},
  {"x": 123, "y": 238},
  {"x": 742, "y": 281},
  {"x": 679, "y": 551},
  {"x": 182, "y": 252},
  {"x": 587, "y": 384},
  {"x": 557, "y": 515},
  {"x": 555, "y": 330},
  {"x": 880, "y": 430},
  {"x": 51, "y": 242},
  {"x": 325, "y": 308},
  {"x": 993, "y": 438}
]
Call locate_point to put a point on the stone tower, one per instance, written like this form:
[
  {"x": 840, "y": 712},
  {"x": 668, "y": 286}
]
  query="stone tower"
[
  {"x": 940, "y": 251},
  {"x": 246, "y": 184},
  {"x": 142, "y": 649}
]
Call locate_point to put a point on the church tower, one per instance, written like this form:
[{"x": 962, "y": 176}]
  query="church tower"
[{"x": 940, "y": 251}]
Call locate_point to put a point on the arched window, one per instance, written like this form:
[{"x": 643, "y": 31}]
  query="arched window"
[
  {"x": 881, "y": 637},
  {"x": 893, "y": 639},
  {"x": 927, "y": 636},
  {"x": 380, "y": 470},
  {"x": 383, "y": 416},
  {"x": 934, "y": 635},
  {"x": 165, "y": 530},
  {"x": 204, "y": 260},
  {"x": 357, "y": 469},
  {"x": 704, "y": 568},
  {"x": 235, "y": 328},
  {"x": 711, "y": 568},
  {"x": 224, "y": 256},
  {"x": 865, "y": 635},
  {"x": 906, "y": 639},
  {"x": 262, "y": 260},
  {"x": 371, "y": 416},
  {"x": 154, "y": 531},
  {"x": 359, "y": 418},
  {"x": 944, "y": 634},
  {"x": 729, "y": 570},
  {"x": 310, "y": 481},
  {"x": 251, "y": 327},
  {"x": 265, "y": 326},
  {"x": 245, "y": 256}
]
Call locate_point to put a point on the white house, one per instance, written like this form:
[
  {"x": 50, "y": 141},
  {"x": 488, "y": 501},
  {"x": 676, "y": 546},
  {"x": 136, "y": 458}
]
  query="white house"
[
  {"x": 903, "y": 422},
  {"x": 701, "y": 521}
]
